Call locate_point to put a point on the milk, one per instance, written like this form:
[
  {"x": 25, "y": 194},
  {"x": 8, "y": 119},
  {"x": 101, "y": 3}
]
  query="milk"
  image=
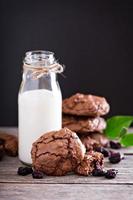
[{"x": 39, "y": 112}]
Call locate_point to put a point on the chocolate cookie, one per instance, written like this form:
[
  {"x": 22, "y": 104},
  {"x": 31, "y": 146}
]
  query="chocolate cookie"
[
  {"x": 57, "y": 152},
  {"x": 89, "y": 143},
  {"x": 94, "y": 140},
  {"x": 10, "y": 144},
  {"x": 91, "y": 161},
  {"x": 83, "y": 124},
  {"x": 100, "y": 138},
  {"x": 85, "y": 105}
]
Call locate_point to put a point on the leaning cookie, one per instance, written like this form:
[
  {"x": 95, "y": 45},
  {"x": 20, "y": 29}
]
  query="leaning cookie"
[
  {"x": 85, "y": 105},
  {"x": 58, "y": 152},
  {"x": 84, "y": 124},
  {"x": 10, "y": 144},
  {"x": 91, "y": 161},
  {"x": 94, "y": 140}
]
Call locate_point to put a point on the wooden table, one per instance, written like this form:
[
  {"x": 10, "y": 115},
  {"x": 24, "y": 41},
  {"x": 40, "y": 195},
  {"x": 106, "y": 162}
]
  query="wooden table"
[{"x": 70, "y": 187}]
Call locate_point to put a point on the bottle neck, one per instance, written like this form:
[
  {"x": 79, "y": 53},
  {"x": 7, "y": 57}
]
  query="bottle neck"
[
  {"x": 39, "y": 58},
  {"x": 38, "y": 63},
  {"x": 35, "y": 76},
  {"x": 40, "y": 69}
]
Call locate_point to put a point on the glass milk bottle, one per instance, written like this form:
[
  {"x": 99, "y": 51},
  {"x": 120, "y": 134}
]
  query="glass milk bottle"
[{"x": 39, "y": 100}]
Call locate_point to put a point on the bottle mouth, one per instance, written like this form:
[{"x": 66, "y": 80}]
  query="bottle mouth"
[{"x": 39, "y": 57}]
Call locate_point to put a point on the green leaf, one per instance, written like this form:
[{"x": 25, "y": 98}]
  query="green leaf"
[
  {"x": 123, "y": 132},
  {"x": 117, "y": 126},
  {"x": 127, "y": 140}
]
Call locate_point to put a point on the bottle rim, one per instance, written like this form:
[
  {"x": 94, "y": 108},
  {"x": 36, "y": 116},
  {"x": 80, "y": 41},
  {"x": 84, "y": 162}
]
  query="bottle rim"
[
  {"x": 39, "y": 52},
  {"x": 41, "y": 56}
]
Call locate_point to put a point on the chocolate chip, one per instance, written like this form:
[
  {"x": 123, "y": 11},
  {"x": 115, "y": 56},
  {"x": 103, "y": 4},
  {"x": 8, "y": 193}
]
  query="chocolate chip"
[
  {"x": 111, "y": 173},
  {"x": 23, "y": 171},
  {"x": 115, "y": 157},
  {"x": 115, "y": 145},
  {"x": 98, "y": 172},
  {"x": 37, "y": 174},
  {"x": 102, "y": 150}
]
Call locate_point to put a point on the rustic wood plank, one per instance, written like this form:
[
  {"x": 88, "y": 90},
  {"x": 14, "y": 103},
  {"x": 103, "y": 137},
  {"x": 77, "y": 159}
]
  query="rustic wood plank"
[
  {"x": 14, "y": 131},
  {"x": 70, "y": 187},
  {"x": 8, "y": 169},
  {"x": 65, "y": 192},
  {"x": 8, "y": 174}
]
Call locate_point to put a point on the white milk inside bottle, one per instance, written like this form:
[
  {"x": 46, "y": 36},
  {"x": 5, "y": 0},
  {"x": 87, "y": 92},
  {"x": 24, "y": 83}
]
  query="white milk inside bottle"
[{"x": 40, "y": 111}]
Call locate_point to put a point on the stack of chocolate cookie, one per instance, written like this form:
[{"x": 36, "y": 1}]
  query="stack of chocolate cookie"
[{"x": 82, "y": 114}]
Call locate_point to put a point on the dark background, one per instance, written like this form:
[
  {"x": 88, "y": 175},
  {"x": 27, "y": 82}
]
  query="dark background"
[{"x": 94, "y": 39}]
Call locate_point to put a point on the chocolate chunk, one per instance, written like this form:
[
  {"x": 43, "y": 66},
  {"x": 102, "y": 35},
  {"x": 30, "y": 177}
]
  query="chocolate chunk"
[
  {"x": 23, "y": 171},
  {"x": 115, "y": 157},
  {"x": 98, "y": 172},
  {"x": 111, "y": 173},
  {"x": 115, "y": 145},
  {"x": 37, "y": 174},
  {"x": 102, "y": 150}
]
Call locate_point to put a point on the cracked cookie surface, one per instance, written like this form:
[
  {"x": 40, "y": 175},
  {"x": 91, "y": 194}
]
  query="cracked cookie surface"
[
  {"x": 85, "y": 105},
  {"x": 83, "y": 124},
  {"x": 57, "y": 152}
]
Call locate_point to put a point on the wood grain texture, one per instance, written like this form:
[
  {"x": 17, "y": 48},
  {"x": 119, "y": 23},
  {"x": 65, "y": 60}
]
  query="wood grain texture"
[
  {"x": 65, "y": 192},
  {"x": 70, "y": 187},
  {"x": 9, "y": 166}
]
